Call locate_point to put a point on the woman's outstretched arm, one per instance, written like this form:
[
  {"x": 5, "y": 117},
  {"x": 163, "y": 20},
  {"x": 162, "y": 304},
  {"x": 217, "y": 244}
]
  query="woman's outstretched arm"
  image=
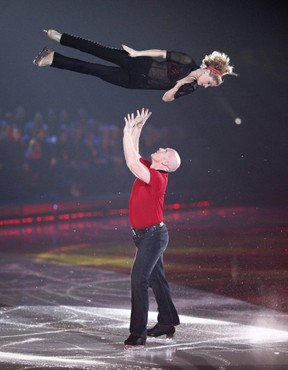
[
  {"x": 170, "y": 94},
  {"x": 154, "y": 53}
]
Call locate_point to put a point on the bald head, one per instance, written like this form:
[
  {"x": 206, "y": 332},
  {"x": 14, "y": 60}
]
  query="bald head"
[
  {"x": 173, "y": 160},
  {"x": 166, "y": 160}
]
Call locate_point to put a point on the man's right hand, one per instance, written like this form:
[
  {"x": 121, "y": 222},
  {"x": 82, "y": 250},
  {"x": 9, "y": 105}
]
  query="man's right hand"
[{"x": 142, "y": 116}]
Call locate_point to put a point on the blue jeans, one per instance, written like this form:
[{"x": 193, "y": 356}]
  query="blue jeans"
[{"x": 148, "y": 271}]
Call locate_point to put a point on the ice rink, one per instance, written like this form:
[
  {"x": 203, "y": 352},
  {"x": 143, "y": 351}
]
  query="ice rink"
[{"x": 73, "y": 313}]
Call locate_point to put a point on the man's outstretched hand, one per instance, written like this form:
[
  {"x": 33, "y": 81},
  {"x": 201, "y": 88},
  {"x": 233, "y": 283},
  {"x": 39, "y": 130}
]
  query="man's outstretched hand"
[{"x": 137, "y": 120}]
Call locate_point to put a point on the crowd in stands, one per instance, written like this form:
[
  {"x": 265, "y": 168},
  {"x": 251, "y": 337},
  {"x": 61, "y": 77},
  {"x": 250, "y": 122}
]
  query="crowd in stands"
[{"x": 64, "y": 154}]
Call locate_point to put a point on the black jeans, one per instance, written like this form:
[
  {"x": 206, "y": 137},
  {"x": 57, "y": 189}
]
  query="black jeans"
[
  {"x": 148, "y": 271},
  {"x": 129, "y": 73}
]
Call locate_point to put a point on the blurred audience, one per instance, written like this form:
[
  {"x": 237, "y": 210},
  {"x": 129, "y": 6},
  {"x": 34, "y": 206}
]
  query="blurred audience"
[{"x": 61, "y": 154}]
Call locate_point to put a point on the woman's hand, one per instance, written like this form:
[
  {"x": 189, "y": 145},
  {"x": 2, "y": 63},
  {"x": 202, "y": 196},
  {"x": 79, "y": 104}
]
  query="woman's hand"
[
  {"x": 132, "y": 53},
  {"x": 170, "y": 94},
  {"x": 152, "y": 53}
]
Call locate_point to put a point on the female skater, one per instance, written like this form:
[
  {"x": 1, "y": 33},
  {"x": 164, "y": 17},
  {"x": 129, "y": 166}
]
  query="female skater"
[{"x": 175, "y": 72}]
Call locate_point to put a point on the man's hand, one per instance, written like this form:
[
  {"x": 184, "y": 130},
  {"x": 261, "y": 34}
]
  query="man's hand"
[
  {"x": 129, "y": 122},
  {"x": 138, "y": 121},
  {"x": 142, "y": 117},
  {"x": 132, "y": 130}
]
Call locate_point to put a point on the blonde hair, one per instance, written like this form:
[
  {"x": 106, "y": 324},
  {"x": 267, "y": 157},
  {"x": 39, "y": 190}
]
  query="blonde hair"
[{"x": 220, "y": 62}]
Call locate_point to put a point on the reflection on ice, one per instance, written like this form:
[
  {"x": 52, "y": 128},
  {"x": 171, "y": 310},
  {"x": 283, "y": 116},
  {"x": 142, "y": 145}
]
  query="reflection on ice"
[{"x": 92, "y": 337}]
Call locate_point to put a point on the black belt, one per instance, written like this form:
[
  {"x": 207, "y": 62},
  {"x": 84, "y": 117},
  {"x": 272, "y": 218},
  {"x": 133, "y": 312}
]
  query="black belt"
[{"x": 147, "y": 229}]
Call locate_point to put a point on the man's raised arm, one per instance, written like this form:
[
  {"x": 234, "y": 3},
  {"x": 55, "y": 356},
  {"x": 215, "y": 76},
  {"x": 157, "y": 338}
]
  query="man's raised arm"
[{"x": 132, "y": 130}]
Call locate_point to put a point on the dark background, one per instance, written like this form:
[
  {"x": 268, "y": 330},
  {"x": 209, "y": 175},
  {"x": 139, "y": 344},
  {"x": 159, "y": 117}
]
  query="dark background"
[{"x": 222, "y": 161}]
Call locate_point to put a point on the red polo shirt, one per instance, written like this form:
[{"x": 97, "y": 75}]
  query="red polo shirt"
[{"x": 147, "y": 200}]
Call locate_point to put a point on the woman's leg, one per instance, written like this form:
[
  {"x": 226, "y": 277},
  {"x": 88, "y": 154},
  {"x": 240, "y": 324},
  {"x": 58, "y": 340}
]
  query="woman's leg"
[
  {"x": 114, "y": 75},
  {"x": 113, "y": 55},
  {"x": 131, "y": 73}
]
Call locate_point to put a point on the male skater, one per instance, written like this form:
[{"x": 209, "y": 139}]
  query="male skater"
[{"x": 150, "y": 234}]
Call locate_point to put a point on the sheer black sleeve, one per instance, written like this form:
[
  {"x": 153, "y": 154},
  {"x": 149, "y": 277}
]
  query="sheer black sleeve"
[
  {"x": 185, "y": 90},
  {"x": 181, "y": 58}
]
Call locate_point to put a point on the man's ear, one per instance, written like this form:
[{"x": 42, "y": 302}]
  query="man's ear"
[{"x": 164, "y": 162}]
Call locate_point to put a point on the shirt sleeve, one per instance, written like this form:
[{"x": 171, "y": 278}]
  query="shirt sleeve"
[
  {"x": 186, "y": 89},
  {"x": 158, "y": 181},
  {"x": 178, "y": 57},
  {"x": 145, "y": 162}
]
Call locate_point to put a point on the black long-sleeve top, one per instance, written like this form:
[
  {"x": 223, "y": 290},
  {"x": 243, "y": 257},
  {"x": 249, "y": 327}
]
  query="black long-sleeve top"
[{"x": 165, "y": 74}]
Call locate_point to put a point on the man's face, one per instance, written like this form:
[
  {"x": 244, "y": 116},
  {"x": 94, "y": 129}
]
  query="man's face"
[
  {"x": 160, "y": 155},
  {"x": 168, "y": 158}
]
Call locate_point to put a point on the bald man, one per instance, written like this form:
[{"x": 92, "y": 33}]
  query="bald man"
[{"x": 150, "y": 233}]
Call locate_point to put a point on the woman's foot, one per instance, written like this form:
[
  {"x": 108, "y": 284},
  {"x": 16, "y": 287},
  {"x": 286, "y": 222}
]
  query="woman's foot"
[
  {"x": 44, "y": 58},
  {"x": 53, "y": 35}
]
